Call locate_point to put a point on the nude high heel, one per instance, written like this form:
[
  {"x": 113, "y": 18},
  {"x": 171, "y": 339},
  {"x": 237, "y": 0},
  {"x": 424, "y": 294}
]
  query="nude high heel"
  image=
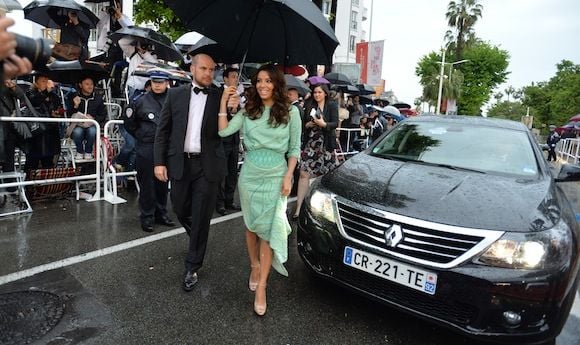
[
  {"x": 251, "y": 284},
  {"x": 260, "y": 309}
]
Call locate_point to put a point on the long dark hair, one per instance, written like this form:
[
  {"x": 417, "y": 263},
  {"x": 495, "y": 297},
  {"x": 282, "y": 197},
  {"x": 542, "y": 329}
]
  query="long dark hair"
[{"x": 280, "y": 112}]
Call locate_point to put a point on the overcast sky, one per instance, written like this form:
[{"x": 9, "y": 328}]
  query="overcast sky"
[{"x": 536, "y": 33}]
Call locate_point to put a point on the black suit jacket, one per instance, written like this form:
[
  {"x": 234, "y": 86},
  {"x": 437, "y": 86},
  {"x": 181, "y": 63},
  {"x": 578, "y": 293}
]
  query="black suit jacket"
[
  {"x": 330, "y": 115},
  {"x": 170, "y": 136}
]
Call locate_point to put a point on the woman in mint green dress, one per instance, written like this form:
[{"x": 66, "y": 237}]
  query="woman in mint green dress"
[{"x": 271, "y": 129}]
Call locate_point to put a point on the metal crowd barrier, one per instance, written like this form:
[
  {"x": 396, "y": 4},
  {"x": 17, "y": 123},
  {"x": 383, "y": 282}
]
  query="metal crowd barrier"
[
  {"x": 111, "y": 174},
  {"x": 96, "y": 176},
  {"x": 343, "y": 152},
  {"x": 569, "y": 149}
]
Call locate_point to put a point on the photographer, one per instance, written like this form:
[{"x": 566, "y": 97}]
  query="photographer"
[
  {"x": 74, "y": 36},
  {"x": 112, "y": 19}
]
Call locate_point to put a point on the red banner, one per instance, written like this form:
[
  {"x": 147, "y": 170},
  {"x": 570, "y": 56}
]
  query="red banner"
[{"x": 362, "y": 53}]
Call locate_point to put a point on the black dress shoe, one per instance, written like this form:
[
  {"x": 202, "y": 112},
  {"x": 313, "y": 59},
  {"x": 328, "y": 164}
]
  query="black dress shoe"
[
  {"x": 165, "y": 220},
  {"x": 189, "y": 280},
  {"x": 221, "y": 210},
  {"x": 147, "y": 226},
  {"x": 233, "y": 207}
]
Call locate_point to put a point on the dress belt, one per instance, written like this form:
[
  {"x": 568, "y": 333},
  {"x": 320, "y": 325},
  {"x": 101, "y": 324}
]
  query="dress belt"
[{"x": 192, "y": 154}]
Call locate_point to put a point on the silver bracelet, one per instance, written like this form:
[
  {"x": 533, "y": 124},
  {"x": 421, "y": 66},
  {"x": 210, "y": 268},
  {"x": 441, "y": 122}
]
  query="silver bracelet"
[{"x": 222, "y": 114}]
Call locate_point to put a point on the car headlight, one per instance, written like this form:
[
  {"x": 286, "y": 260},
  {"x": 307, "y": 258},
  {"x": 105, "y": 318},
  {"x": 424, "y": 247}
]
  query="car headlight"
[
  {"x": 538, "y": 250},
  {"x": 321, "y": 205}
]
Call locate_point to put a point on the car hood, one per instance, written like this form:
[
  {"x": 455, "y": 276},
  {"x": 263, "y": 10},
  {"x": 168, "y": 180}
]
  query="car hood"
[{"x": 446, "y": 196}]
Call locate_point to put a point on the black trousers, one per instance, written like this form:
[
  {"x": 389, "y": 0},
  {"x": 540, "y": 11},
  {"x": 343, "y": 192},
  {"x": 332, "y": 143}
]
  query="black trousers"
[
  {"x": 153, "y": 193},
  {"x": 552, "y": 154},
  {"x": 227, "y": 187},
  {"x": 193, "y": 198}
]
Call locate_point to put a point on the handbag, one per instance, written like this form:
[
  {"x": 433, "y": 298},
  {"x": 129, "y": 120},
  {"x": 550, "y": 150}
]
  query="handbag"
[{"x": 66, "y": 51}]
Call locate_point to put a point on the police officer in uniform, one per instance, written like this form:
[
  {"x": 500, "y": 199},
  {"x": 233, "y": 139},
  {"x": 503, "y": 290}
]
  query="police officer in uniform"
[{"x": 141, "y": 119}]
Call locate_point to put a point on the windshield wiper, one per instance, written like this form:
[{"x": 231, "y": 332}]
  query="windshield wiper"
[{"x": 448, "y": 166}]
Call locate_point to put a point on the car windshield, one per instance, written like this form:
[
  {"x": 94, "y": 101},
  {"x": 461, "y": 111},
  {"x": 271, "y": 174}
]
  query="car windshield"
[{"x": 460, "y": 146}]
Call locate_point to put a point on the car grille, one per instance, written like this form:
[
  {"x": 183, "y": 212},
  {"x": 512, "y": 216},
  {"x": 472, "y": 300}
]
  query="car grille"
[
  {"x": 427, "y": 243},
  {"x": 449, "y": 310}
]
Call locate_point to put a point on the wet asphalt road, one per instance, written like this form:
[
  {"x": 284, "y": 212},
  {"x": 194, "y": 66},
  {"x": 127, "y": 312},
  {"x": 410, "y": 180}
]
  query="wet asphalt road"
[{"x": 134, "y": 296}]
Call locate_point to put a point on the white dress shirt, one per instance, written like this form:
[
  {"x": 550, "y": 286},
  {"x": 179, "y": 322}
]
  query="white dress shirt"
[{"x": 194, "y": 121}]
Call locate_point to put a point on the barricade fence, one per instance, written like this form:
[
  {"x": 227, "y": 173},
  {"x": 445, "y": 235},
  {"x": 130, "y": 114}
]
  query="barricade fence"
[
  {"x": 110, "y": 172},
  {"x": 569, "y": 150},
  {"x": 96, "y": 176},
  {"x": 346, "y": 149}
]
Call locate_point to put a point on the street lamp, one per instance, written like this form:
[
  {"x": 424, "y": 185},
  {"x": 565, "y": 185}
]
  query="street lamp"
[{"x": 441, "y": 78}]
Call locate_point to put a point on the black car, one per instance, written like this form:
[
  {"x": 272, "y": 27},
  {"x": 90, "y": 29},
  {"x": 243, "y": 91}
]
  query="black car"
[{"x": 457, "y": 220}]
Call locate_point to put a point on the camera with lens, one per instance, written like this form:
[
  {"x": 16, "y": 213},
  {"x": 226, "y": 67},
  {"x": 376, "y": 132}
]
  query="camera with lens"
[{"x": 38, "y": 51}]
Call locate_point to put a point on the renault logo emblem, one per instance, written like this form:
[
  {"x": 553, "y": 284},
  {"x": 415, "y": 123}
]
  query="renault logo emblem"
[{"x": 394, "y": 235}]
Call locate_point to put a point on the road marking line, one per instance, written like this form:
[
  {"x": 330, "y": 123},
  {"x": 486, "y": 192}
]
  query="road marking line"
[{"x": 106, "y": 251}]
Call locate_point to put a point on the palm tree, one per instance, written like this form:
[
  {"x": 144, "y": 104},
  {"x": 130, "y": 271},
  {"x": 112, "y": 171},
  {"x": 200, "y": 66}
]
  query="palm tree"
[
  {"x": 461, "y": 16},
  {"x": 509, "y": 91},
  {"x": 498, "y": 96}
]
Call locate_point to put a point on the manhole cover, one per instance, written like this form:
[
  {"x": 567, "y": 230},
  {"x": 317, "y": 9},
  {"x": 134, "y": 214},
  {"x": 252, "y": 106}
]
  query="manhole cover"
[{"x": 25, "y": 316}]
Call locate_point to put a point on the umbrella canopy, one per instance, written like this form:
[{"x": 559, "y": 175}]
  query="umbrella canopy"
[
  {"x": 337, "y": 78},
  {"x": 351, "y": 89},
  {"x": 9, "y": 5},
  {"x": 71, "y": 72},
  {"x": 296, "y": 70},
  {"x": 287, "y": 32},
  {"x": 217, "y": 51},
  {"x": 365, "y": 100},
  {"x": 365, "y": 89},
  {"x": 294, "y": 83},
  {"x": 42, "y": 12},
  {"x": 315, "y": 80},
  {"x": 146, "y": 68},
  {"x": 97, "y": 1},
  {"x": 187, "y": 40},
  {"x": 401, "y": 105},
  {"x": 575, "y": 117},
  {"x": 162, "y": 45}
]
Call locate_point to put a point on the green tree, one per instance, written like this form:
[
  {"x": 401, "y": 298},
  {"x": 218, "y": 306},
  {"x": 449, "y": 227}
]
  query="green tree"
[
  {"x": 461, "y": 16},
  {"x": 558, "y": 99},
  {"x": 157, "y": 13},
  {"x": 498, "y": 96},
  {"x": 486, "y": 69},
  {"x": 509, "y": 91},
  {"x": 508, "y": 110},
  {"x": 472, "y": 83}
]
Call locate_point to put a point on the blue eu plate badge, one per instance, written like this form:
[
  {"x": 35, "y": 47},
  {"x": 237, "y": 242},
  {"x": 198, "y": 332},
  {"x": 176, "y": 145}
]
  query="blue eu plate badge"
[{"x": 348, "y": 256}]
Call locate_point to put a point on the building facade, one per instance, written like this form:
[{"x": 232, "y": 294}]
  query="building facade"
[{"x": 350, "y": 15}]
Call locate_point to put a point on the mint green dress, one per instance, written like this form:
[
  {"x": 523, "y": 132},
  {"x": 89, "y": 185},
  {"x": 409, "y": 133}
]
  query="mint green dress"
[{"x": 260, "y": 181}]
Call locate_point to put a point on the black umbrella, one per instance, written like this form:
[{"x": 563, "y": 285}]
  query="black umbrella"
[
  {"x": 337, "y": 78},
  {"x": 365, "y": 100},
  {"x": 9, "y": 5},
  {"x": 217, "y": 51},
  {"x": 402, "y": 105},
  {"x": 41, "y": 12},
  {"x": 347, "y": 88},
  {"x": 71, "y": 72},
  {"x": 287, "y": 32},
  {"x": 162, "y": 45},
  {"x": 365, "y": 89},
  {"x": 294, "y": 83},
  {"x": 174, "y": 73}
]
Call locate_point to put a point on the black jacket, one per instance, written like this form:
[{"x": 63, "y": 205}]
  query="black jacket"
[
  {"x": 330, "y": 115},
  {"x": 170, "y": 136},
  {"x": 142, "y": 116},
  {"x": 92, "y": 105}
]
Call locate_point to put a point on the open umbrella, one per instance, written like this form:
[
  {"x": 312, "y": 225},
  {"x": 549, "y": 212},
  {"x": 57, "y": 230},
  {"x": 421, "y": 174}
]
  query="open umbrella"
[
  {"x": 71, "y": 72},
  {"x": 337, "y": 78},
  {"x": 294, "y": 83},
  {"x": 287, "y": 32},
  {"x": 43, "y": 12},
  {"x": 217, "y": 51},
  {"x": 365, "y": 100},
  {"x": 146, "y": 68},
  {"x": 315, "y": 80},
  {"x": 401, "y": 105},
  {"x": 162, "y": 45},
  {"x": 347, "y": 88},
  {"x": 187, "y": 40},
  {"x": 365, "y": 89},
  {"x": 9, "y": 5}
]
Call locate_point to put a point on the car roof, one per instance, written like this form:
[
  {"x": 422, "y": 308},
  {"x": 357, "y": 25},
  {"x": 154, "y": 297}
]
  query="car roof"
[{"x": 469, "y": 120}]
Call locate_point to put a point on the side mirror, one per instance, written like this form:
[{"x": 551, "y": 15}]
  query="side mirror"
[{"x": 569, "y": 173}]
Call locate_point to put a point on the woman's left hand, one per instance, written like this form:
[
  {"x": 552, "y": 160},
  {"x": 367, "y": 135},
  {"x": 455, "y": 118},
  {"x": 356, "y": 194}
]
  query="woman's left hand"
[
  {"x": 286, "y": 185},
  {"x": 319, "y": 122}
]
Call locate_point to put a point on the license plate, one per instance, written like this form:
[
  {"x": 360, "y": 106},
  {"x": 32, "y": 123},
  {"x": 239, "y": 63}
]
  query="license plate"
[{"x": 392, "y": 270}]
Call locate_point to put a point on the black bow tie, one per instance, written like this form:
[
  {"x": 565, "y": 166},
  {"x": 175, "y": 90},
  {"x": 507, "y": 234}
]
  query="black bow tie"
[{"x": 197, "y": 90}]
